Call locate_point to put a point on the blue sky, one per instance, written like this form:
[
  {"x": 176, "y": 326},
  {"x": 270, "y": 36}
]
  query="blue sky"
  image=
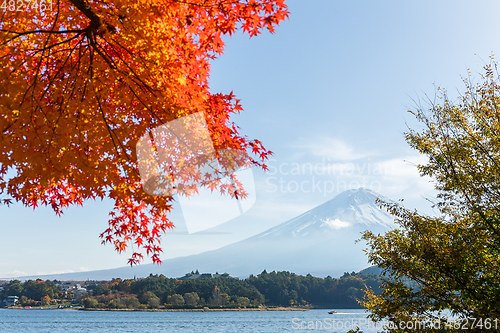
[{"x": 331, "y": 89}]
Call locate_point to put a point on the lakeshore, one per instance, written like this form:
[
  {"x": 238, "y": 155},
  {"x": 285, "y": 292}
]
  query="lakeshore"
[
  {"x": 203, "y": 310},
  {"x": 275, "y": 291},
  {"x": 280, "y": 308}
]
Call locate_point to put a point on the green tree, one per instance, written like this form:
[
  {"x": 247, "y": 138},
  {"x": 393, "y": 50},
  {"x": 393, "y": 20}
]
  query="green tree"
[
  {"x": 14, "y": 288},
  {"x": 243, "y": 301},
  {"x": 100, "y": 290},
  {"x": 37, "y": 289},
  {"x": 224, "y": 299},
  {"x": 23, "y": 300},
  {"x": 90, "y": 303},
  {"x": 453, "y": 258},
  {"x": 217, "y": 299},
  {"x": 150, "y": 299},
  {"x": 175, "y": 299},
  {"x": 111, "y": 304},
  {"x": 293, "y": 297},
  {"x": 129, "y": 302},
  {"x": 154, "y": 301},
  {"x": 191, "y": 298}
]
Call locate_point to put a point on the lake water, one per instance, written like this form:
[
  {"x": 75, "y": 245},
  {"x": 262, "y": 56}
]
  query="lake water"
[{"x": 70, "y": 321}]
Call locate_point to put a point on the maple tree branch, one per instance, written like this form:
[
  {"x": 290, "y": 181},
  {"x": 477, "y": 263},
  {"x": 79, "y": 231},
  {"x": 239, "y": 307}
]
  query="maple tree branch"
[
  {"x": 42, "y": 31},
  {"x": 60, "y": 70},
  {"x": 45, "y": 48},
  {"x": 205, "y": 5},
  {"x": 38, "y": 67},
  {"x": 20, "y": 34},
  {"x": 42, "y": 50},
  {"x": 95, "y": 21},
  {"x": 95, "y": 24},
  {"x": 127, "y": 50},
  {"x": 95, "y": 45},
  {"x": 144, "y": 84},
  {"x": 110, "y": 131},
  {"x": 144, "y": 104}
]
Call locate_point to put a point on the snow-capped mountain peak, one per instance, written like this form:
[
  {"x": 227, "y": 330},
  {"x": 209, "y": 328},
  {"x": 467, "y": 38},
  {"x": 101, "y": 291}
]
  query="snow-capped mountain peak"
[{"x": 347, "y": 209}]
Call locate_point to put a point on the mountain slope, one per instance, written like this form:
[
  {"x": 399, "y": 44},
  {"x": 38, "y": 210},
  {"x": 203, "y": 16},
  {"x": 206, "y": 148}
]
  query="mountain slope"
[{"x": 321, "y": 242}]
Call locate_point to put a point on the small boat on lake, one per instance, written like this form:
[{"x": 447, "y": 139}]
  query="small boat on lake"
[{"x": 332, "y": 312}]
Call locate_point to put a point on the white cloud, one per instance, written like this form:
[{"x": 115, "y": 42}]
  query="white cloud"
[
  {"x": 12, "y": 274},
  {"x": 65, "y": 271},
  {"x": 332, "y": 148}
]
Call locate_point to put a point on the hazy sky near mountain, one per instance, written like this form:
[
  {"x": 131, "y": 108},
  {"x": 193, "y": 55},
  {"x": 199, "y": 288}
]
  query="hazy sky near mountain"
[{"x": 328, "y": 94}]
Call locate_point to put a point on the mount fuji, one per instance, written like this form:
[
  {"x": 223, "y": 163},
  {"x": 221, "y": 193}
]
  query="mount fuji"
[{"x": 321, "y": 241}]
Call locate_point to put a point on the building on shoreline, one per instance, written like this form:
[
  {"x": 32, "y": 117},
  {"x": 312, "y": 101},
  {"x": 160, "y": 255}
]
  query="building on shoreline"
[
  {"x": 197, "y": 275},
  {"x": 11, "y": 300}
]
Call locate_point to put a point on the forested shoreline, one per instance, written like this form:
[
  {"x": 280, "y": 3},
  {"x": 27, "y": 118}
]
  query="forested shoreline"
[{"x": 274, "y": 289}]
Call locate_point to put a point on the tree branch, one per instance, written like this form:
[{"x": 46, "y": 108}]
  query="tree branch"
[{"x": 95, "y": 21}]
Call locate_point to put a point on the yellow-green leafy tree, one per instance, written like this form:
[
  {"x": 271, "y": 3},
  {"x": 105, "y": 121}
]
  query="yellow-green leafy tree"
[{"x": 453, "y": 259}]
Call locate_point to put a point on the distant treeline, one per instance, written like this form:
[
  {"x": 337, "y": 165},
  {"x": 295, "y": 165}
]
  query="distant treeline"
[
  {"x": 270, "y": 289},
  {"x": 31, "y": 290}
]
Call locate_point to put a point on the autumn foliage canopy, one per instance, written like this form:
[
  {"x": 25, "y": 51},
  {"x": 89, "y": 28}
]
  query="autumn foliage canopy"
[{"x": 82, "y": 81}]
